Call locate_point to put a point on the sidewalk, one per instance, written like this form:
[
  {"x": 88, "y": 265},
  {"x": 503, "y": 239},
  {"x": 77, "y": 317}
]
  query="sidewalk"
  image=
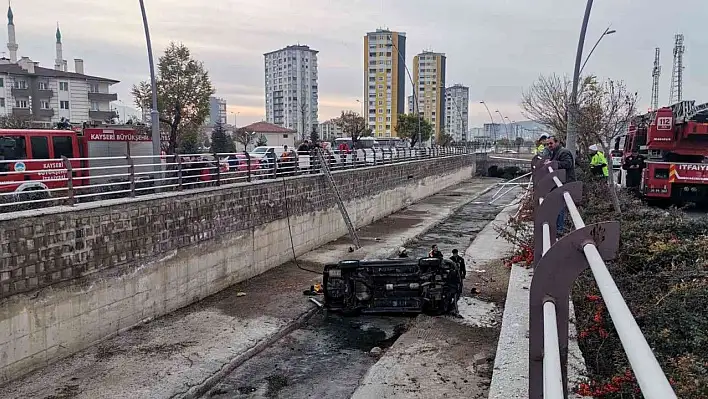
[
  {"x": 180, "y": 352},
  {"x": 446, "y": 357}
]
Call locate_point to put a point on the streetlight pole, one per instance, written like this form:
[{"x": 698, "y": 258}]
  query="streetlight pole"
[
  {"x": 492, "y": 127},
  {"x": 506, "y": 125},
  {"x": 415, "y": 91},
  {"x": 607, "y": 32},
  {"x": 571, "y": 134},
  {"x": 154, "y": 113}
]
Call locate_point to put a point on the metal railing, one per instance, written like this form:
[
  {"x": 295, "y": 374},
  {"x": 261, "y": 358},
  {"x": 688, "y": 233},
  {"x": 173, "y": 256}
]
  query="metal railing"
[
  {"x": 558, "y": 262},
  {"x": 34, "y": 183}
]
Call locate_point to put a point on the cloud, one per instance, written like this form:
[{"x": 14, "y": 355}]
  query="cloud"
[{"x": 496, "y": 47}]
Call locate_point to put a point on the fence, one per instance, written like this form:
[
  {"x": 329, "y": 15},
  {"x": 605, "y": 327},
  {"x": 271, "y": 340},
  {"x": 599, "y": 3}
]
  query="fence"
[
  {"x": 28, "y": 183},
  {"x": 558, "y": 262}
]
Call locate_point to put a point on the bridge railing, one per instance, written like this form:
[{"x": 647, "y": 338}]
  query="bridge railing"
[
  {"x": 39, "y": 183},
  {"x": 558, "y": 263}
]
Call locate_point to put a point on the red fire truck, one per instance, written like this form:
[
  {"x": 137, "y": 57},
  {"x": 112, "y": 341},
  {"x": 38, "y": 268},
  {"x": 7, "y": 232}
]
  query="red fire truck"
[{"x": 664, "y": 153}]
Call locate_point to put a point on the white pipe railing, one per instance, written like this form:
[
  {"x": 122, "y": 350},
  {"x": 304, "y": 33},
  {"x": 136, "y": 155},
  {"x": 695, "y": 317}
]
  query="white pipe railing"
[{"x": 650, "y": 377}]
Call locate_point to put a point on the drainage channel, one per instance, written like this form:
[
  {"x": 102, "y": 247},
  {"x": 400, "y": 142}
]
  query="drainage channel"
[{"x": 329, "y": 354}]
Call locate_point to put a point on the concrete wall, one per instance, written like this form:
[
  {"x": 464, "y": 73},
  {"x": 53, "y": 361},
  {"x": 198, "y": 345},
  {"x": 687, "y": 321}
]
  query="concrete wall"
[{"x": 72, "y": 277}]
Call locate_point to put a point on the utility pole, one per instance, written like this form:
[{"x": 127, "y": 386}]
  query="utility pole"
[{"x": 154, "y": 113}]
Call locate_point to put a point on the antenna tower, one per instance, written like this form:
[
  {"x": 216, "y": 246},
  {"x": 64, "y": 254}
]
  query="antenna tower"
[
  {"x": 655, "y": 74},
  {"x": 677, "y": 76}
]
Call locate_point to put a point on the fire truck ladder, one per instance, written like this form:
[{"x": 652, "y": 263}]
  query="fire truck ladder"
[{"x": 338, "y": 198}]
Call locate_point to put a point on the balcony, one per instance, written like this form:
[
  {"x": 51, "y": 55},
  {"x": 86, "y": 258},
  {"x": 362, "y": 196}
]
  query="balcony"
[
  {"x": 102, "y": 115},
  {"x": 21, "y": 112},
  {"x": 94, "y": 96},
  {"x": 44, "y": 93},
  {"x": 45, "y": 113},
  {"x": 16, "y": 92}
]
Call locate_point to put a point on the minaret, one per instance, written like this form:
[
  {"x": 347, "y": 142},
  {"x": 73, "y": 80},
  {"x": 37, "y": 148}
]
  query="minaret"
[
  {"x": 59, "y": 62},
  {"x": 11, "y": 40}
]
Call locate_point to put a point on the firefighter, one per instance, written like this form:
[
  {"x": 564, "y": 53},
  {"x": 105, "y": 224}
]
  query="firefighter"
[
  {"x": 540, "y": 149},
  {"x": 435, "y": 252},
  {"x": 598, "y": 162}
]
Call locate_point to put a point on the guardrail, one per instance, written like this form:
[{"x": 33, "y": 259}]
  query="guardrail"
[
  {"x": 558, "y": 262},
  {"x": 30, "y": 183}
]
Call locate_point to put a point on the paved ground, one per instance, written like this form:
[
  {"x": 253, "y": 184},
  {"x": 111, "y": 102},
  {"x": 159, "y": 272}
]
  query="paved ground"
[{"x": 168, "y": 356}]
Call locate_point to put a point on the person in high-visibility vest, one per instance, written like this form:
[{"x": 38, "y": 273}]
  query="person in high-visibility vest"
[
  {"x": 598, "y": 162},
  {"x": 540, "y": 149}
]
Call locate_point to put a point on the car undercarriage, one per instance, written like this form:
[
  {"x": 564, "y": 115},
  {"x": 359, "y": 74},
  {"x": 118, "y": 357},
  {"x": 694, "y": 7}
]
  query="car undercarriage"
[{"x": 425, "y": 285}]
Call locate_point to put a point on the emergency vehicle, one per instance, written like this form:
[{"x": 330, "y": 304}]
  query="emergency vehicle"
[{"x": 665, "y": 150}]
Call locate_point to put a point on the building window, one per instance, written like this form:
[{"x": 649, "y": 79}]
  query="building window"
[
  {"x": 64, "y": 86},
  {"x": 64, "y": 104},
  {"x": 42, "y": 85},
  {"x": 2, "y": 82},
  {"x": 2, "y": 103},
  {"x": 20, "y": 84},
  {"x": 94, "y": 106},
  {"x": 44, "y": 104},
  {"x": 93, "y": 88},
  {"x": 21, "y": 104}
]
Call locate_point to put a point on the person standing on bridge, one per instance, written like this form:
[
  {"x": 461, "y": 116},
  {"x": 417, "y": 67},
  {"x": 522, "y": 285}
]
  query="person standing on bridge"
[
  {"x": 598, "y": 162},
  {"x": 540, "y": 149},
  {"x": 565, "y": 161}
]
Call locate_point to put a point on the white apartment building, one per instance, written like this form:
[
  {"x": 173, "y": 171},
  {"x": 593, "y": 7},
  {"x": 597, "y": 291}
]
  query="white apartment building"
[
  {"x": 330, "y": 130},
  {"x": 291, "y": 88},
  {"x": 44, "y": 96},
  {"x": 457, "y": 106},
  {"x": 384, "y": 80},
  {"x": 217, "y": 111}
]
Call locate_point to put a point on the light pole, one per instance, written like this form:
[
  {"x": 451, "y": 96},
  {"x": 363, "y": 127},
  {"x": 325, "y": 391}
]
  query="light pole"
[
  {"x": 607, "y": 32},
  {"x": 415, "y": 92},
  {"x": 573, "y": 106},
  {"x": 154, "y": 113},
  {"x": 492, "y": 127}
]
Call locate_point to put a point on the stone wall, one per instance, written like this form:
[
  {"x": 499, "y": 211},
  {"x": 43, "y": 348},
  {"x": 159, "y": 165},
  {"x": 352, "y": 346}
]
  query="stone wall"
[{"x": 74, "y": 276}]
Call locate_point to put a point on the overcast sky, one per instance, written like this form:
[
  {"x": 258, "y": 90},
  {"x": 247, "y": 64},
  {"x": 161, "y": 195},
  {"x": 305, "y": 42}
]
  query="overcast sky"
[{"x": 496, "y": 47}]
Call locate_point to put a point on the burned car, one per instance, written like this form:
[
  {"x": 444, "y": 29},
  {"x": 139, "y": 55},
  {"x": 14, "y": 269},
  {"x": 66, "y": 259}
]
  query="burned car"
[{"x": 429, "y": 285}]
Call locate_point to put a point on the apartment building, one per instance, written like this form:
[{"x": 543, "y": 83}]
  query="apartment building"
[
  {"x": 384, "y": 80},
  {"x": 330, "y": 130},
  {"x": 44, "y": 96},
  {"x": 457, "y": 106},
  {"x": 291, "y": 88},
  {"x": 217, "y": 111},
  {"x": 429, "y": 77}
]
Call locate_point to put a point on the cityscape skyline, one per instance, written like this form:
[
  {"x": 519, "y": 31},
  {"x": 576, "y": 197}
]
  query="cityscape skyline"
[{"x": 495, "y": 58}]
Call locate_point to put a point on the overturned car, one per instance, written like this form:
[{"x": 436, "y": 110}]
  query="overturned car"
[{"x": 429, "y": 285}]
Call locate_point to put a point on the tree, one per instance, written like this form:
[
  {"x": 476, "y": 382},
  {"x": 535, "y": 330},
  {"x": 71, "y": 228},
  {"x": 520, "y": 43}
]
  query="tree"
[
  {"x": 446, "y": 140},
  {"x": 221, "y": 142},
  {"x": 14, "y": 122},
  {"x": 353, "y": 125},
  {"x": 183, "y": 91},
  {"x": 245, "y": 137},
  {"x": 604, "y": 116},
  {"x": 519, "y": 141},
  {"x": 407, "y": 127},
  {"x": 546, "y": 101},
  {"x": 262, "y": 141},
  {"x": 314, "y": 135}
]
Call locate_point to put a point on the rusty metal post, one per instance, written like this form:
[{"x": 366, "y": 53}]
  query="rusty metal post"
[
  {"x": 69, "y": 180},
  {"x": 547, "y": 213},
  {"x": 552, "y": 281},
  {"x": 179, "y": 172}
]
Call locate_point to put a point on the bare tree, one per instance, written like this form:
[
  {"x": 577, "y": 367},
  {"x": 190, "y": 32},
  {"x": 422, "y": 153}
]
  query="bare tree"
[
  {"x": 245, "y": 137},
  {"x": 353, "y": 125},
  {"x": 604, "y": 116}
]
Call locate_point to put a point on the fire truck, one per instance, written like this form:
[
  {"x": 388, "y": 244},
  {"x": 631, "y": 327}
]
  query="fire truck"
[
  {"x": 31, "y": 159},
  {"x": 664, "y": 153}
]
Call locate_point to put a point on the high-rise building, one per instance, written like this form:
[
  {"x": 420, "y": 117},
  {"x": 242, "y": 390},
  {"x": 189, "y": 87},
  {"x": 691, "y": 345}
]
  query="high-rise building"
[
  {"x": 291, "y": 88},
  {"x": 457, "y": 107},
  {"x": 217, "y": 111},
  {"x": 429, "y": 79},
  {"x": 384, "y": 80}
]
